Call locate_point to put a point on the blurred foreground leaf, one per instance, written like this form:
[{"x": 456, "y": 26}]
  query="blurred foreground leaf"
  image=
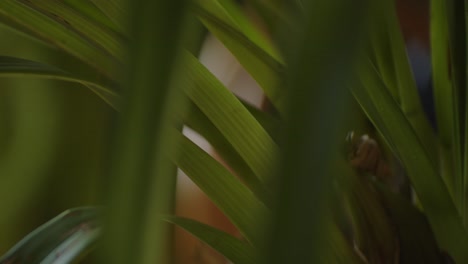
[
  {"x": 64, "y": 239},
  {"x": 320, "y": 63},
  {"x": 142, "y": 178}
]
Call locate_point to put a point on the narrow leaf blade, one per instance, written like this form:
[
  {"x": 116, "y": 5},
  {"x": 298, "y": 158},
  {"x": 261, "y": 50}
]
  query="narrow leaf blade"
[
  {"x": 237, "y": 251},
  {"x": 17, "y": 67},
  {"x": 88, "y": 29},
  {"x": 444, "y": 94},
  {"x": 257, "y": 56},
  {"x": 386, "y": 115},
  {"x": 232, "y": 119},
  {"x": 56, "y": 33},
  {"x": 64, "y": 238},
  {"x": 233, "y": 198}
]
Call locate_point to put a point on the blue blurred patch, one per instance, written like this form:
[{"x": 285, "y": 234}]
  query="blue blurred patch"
[{"x": 420, "y": 62}]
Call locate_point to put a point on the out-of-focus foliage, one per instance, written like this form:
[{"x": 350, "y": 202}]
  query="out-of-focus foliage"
[
  {"x": 53, "y": 136},
  {"x": 295, "y": 199}
]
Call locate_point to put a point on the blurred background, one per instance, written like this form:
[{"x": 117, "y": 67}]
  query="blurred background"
[{"x": 52, "y": 140}]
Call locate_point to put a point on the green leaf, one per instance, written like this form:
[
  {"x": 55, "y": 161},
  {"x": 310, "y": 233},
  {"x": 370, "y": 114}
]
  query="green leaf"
[
  {"x": 270, "y": 123},
  {"x": 63, "y": 239},
  {"x": 386, "y": 115},
  {"x": 10, "y": 66},
  {"x": 255, "y": 53},
  {"x": 392, "y": 63},
  {"x": 232, "y": 248},
  {"x": 89, "y": 10},
  {"x": 88, "y": 29},
  {"x": 142, "y": 184},
  {"x": 237, "y": 202},
  {"x": 443, "y": 89},
  {"x": 17, "y": 67},
  {"x": 115, "y": 11},
  {"x": 444, "y": 95},
  {"x": 196, "y": 120},
  {"x": 55, "y": 31},
  {"x": 231, "y": 118},
  {"x": 457, "y": 52},
  {"x": 275, "y": 14},
  {"x": 319, "y": 70},
  {"x": 229, "y": 14},
  {"x": 464, "y": 180}
]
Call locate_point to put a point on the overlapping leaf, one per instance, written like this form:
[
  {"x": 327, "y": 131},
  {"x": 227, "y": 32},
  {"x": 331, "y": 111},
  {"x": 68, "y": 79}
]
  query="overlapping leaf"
[
  {"x": 386, "y": 115},
  {"x": 390, "y": 59},
  {"x": 55, "y": 30},
  {"x": 444, "y": 95},
  {"x": 63, "y": 239},
  {"x": 232, "y": 119},
  {"x": 232, "y": 248},
  {"x": 227, "y": 192},
  {"x": 252, "y": 50}
]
